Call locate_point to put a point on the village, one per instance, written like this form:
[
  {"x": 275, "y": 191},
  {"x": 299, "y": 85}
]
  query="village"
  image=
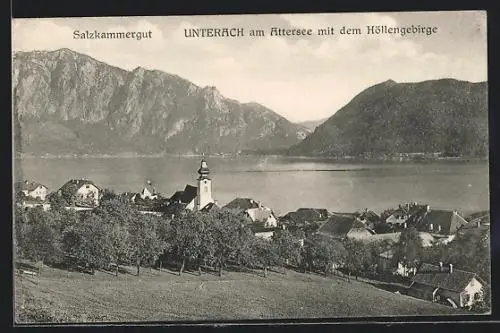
[{"x": 436, "y": 280}]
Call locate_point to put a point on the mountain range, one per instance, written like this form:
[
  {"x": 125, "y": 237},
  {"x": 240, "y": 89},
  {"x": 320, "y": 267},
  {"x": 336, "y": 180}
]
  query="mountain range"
[
  {"x": 311, "y": 125},
  {"x": 69, "y": 103},
  {"x": 444, "y": 116}
]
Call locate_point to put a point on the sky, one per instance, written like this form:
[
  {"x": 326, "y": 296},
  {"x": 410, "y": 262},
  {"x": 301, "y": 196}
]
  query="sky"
[{"x": 301, "y": 78}]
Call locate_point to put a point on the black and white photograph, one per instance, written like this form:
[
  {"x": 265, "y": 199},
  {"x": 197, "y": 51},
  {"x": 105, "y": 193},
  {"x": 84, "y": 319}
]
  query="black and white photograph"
[{"x": 222, "y": 168}]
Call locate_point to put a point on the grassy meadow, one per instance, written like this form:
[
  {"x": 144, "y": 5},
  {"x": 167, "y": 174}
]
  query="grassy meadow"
[{"x": 60, "y": 296}]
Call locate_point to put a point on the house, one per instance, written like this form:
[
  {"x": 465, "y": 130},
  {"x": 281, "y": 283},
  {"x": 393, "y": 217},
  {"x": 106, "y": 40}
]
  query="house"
[
  {"x": 442, "y": 224},
  {"x": 447, "y": 285},
  {"x": 149, "y": 191},
  {"x": 80, "y": 192},
  {"x": 254, "y": 210},
  {"x": 32, "y": 190},
  {"x": 304, "y": 216},
  {"x": 262, "y": 215},
  {"x": 267, "y": 235},
  {"x": 393, "y": 237},
  {"x": 369, "y": 217},
  {"x": 386, "y": 264},
  {"x": 187, "y": 197},
  {"x": 404, "y": 213},
  {"x": 241, "y": 204},
  {"x": 341, "y": 226}
]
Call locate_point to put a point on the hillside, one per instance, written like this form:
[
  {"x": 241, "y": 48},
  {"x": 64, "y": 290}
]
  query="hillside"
[
  {"x": 165, "y": 296},
  {"x": 66, "y": 102},
  {"x": 446, "y": 116},
  {"x": 312, "y": 124}
]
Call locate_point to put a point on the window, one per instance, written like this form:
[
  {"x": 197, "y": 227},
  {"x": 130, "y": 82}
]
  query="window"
[{"x": 87, "y": 186}]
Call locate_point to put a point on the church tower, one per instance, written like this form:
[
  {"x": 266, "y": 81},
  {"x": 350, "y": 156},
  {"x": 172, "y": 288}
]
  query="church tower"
[{"x": 204, "y": 195}]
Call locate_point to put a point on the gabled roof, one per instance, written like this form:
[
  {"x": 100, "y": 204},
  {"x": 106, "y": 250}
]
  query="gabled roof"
[
  {"x": 339, "y": 226},
  {"x": 443, "y": 222},
  {"x": 186, "y": 196},
  {"x": 189, "y": 193},
  {"x": 209, "y": 207},
  {"x": 28, "y": 186},
  {"x": 242, "y": 204},
  {"x": 260, "y": 214},
  {"x": 303, "y": 215},
  {"x": 408, "y": 210},
  {"x": 150, "y": 189},
  {"x": 74, "y": 184},
  {"x": 370, "y": 215},
  {"x": 176, "y": 196},
  {"x": 431, "y": 275}
]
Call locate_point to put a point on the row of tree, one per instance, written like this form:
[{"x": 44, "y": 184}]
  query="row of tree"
[{"x": 116, "y": 232}]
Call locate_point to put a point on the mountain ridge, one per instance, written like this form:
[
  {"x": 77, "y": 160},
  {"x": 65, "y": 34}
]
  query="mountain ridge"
[
  {"x": 447, "y": 116},
  {"x": 94, "y": 107}
]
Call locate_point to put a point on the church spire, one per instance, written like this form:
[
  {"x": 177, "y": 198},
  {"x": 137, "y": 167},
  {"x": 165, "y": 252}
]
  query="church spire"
[{"x": 203, "y": 171}]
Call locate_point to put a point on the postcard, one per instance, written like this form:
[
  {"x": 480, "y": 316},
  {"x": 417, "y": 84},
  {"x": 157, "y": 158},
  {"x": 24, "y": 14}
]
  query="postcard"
[{"x": 250, "y": 167}]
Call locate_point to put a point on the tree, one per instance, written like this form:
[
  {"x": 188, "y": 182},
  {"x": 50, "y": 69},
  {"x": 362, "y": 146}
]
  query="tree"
[
  {"x": 265, "y": 253},
  {"x": 188, "y": 238},
  {"x": 40, "y": 237},
  {"x": 118, "y": 235},
  {"x": 145, "y": 245},
  {"x": 108, "y": 194},
  {"x": 287, "y": 247},
  {"x": 88, "y": 242},
  {"x": 224, "y": 236},
  {"x": 358, "y": 259},
  {"x": 57, "y": 203},
  {"x": 408, "y": 249},
  {"x": 323, "y": 252}
]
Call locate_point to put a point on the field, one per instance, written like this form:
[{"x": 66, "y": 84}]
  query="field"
[{"x": 61, "y": 296}]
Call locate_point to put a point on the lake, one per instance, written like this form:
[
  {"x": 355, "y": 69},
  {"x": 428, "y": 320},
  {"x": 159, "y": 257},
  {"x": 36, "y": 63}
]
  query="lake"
[{"x": 283, "y": 184}]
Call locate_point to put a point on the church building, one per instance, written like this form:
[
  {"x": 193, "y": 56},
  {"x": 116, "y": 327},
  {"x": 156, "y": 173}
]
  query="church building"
[{"x": 194, "y": 197}]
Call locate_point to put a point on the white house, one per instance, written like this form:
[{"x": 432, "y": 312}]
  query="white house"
[
  {"x": 80, "y": 192},
  {"x": 446, "y": 284},
  {"x": 32, "y": 190}
]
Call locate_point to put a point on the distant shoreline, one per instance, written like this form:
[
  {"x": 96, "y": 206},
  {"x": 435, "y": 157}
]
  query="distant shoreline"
[{"x": 231, "y": 156}]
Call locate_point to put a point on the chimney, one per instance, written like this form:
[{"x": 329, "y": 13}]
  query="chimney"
[
  {"x": 451, "y": 268},
  {"x": 440, "y": 266},
  {"x": 428, "y": 208},
  {"x": 478, "y": 223}
]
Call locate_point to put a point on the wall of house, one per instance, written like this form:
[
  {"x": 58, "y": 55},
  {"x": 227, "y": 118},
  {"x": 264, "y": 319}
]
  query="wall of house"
[
  {"x": 45, "y": 206},
  {"x": 271, "y": 222},
  {"x": 403, "y": 270},
  {"x": 469, "y": 293},
  {"x": 40, "y": 193},
  {"x": 265, "y": 235},
  {"x": 89, "y": 190},
  {"x": 191, "y": 205},
  {"x": 396, "y": 220}
]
